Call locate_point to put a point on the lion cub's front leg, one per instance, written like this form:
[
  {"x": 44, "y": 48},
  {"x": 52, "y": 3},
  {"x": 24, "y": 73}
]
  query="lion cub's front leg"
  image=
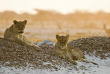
[
  {"x": 22, "y": 40},
  {"x": 69, "y": 56},
  {"x": 28, "y": 42},
  {"x": 59, "y": 54}
]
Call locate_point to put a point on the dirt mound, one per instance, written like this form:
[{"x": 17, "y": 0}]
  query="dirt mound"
[
  {"x": 14, "y": 54},
  {"x": 100, "y": 45}
]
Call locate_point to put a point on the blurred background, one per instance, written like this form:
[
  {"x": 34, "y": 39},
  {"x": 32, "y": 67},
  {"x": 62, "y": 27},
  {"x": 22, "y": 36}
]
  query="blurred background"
[{"x": 46, "y": 18}]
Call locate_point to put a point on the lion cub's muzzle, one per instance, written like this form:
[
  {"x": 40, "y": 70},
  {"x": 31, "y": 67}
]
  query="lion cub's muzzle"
[
  {"x": 20, "y": 32},
  {"x": 62, "y": 47}
]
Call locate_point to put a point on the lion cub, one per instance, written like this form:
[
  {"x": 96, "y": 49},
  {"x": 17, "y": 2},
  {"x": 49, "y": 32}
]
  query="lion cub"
[
  {"x": 15, "y": 32},
  {"x": 64, "y": 51}
]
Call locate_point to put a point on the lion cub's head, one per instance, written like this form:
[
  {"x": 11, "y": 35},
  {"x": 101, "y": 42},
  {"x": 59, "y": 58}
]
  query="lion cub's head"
[
  {"x": 19, "y": 26},
  {"x": 62, "y": 41}
]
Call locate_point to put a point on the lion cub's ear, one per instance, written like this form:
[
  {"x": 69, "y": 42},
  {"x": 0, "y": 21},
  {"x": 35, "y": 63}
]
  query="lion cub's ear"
[
  {"x": 67, "y": 36},
  {"x": 57, "y": 36},
  {"x": 25, "y": 21},
  {"x": 14, "y": 21}
]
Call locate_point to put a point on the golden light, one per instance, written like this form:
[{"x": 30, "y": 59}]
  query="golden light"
[{"x": 63, "y": 6}]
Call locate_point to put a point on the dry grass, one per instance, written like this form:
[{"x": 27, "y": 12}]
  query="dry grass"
[{"x": 46, "y": 24}]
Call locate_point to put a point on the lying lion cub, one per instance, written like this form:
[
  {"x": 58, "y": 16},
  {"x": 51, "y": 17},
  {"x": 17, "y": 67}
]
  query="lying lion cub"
[
  {"x": 15, "y": 33},
  {"x": 69, "y": 53}
]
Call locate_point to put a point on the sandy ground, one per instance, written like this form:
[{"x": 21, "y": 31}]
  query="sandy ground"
[{"x": 104, "y": 68}]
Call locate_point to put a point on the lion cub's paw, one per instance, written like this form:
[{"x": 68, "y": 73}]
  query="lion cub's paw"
[
  {"x": 74, "y": 63},
  {"x": 37, "y": 46},
  {"x": 34, "y": 45},
  {"x": 62, "y": 56}
]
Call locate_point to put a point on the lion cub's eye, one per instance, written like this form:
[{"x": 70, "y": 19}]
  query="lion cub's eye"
[{"x": 60, "y": 40}]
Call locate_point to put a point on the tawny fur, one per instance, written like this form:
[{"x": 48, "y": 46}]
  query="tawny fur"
[{"x": 15, "y": 31}]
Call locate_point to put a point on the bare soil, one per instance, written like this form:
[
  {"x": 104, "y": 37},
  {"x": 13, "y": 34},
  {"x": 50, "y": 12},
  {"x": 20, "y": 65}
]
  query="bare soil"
[
  {"x": 14, "y": 54},
  {"x": 98, "y": 45}
]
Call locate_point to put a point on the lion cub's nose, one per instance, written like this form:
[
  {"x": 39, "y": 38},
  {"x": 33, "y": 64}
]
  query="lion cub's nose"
[
  {"x": 20, "y": 32},
  {"x": 63, "y": 45}
]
